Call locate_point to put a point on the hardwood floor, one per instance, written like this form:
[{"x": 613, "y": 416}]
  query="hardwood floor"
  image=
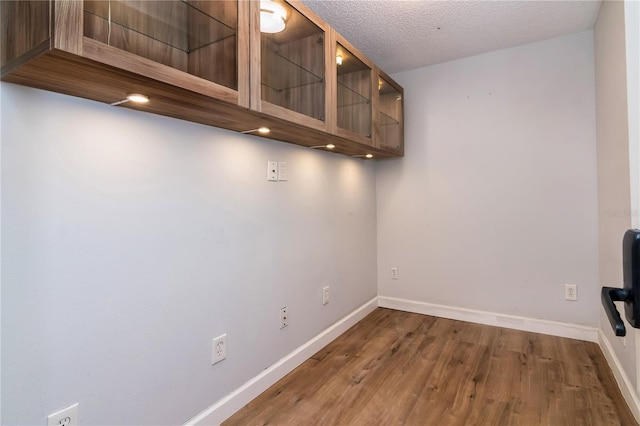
[{"x": 396, "y": 368}]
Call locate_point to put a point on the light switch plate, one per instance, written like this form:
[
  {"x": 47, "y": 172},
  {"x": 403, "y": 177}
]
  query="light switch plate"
[{"x": 282, "y": 171}]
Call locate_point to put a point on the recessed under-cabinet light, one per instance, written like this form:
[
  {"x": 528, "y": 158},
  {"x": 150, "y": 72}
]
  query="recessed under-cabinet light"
[
  {"x": 263, "y": 130},
  {"x": 133, "y": 97},
  {"x": 339, "y": 59},
  {"x": 138, "y": 98},
  {"x": 328, "y": 146},
  {"x": 363, "y": 156}
]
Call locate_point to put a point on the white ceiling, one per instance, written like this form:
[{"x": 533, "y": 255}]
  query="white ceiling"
[{"x": 399, "y": 35}]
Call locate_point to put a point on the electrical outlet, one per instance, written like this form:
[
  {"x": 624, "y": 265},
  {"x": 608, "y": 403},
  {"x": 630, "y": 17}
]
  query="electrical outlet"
[
  {"x": 272, "y": 170},
  {"x": 325, "y": 295},
  {"x": 284, "y": 319},
  {"x": 66, "y": 417},
  {"x": 219, "y": 349},
  {"x": 394, "y": 273},
  {"x": 570, "y": 292}
]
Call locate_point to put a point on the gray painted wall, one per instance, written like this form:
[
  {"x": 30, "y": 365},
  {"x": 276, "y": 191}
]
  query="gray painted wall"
[
  {"x": 614, "y": 202},
  {"x": 130, "y": 240},
  {"x": 494, "y": 206}
]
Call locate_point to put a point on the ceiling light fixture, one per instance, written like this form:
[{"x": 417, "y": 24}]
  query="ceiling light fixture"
[
  {"x": 263, "y": 130},
  {"x": 272, "y": 17},
  {"x": 133, "y": 97}
]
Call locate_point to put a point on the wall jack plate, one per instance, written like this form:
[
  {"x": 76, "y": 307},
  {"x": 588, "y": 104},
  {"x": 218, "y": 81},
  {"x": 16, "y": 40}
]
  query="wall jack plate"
[
  {"x": 272, "y": 170},
  {"x": 284, "y": 318},
  {"x": 325, "y": 295}
]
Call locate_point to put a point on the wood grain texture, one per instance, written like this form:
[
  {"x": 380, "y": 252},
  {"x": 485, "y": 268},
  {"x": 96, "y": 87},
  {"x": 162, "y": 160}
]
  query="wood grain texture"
[
  {"x": 130, "y": 62},
  {"x": 354, "y": 118},
  {"x": 354, "y": 102},
  {"x": 293, "y": 75},
  {"x": 67, "y": 25},
  {"x": 137, "y": 43},
  {"x": 243, "y": 54},
  {"x": 24, "y": 25},
  {"x": 293, "y": 80},
  {"x": 76, "y": 76},
  {"x": 216, "y": 62},
  {"x": 150, "y": 52},
  {"x": 390, "y": 118},
  {"x": 396, "y": 367}
]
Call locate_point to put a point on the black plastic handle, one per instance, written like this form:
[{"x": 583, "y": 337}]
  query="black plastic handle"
[{"x": 610, "y": 295}]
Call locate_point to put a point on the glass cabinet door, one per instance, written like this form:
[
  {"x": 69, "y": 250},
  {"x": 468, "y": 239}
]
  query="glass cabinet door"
[
  {"x": 353, "y": 93},
  {"x": 292, "y": 62},
  {"x": 390, "y": 116},
  {"x": 198, "y": 37}
]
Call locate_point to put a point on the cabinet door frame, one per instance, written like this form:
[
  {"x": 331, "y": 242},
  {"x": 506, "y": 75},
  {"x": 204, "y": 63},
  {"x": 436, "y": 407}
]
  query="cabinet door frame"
[
  {"x": 379, "y": 74},
  {"x": 336, "y": 130},
  {"x": 274, "y": 110},
  {"x": 68, "y": 36}
]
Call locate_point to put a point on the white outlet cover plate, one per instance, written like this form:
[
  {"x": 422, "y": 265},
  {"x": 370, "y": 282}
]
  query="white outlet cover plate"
[
  {"x": 219, "y": 349},
  {"x": 272, "y": 170},
  {"x": 284, "y": 317},
  {"x": 65, "y": 417},
  {"x": 571, "y": 292}
]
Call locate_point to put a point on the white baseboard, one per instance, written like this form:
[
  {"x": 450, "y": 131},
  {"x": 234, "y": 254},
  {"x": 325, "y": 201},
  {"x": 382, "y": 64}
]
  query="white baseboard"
[
  {"x": 554, "y": 328},
  {"x": 624, "y": 384},
  {"x": 227, "y": 406}
]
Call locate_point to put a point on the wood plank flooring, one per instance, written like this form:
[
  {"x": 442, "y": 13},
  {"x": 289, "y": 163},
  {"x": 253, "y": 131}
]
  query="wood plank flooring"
[{"x": 399, "y": 368}]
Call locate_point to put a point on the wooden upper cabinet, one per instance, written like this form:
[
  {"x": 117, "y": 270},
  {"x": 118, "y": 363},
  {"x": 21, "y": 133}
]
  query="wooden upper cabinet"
[
  {"x": 289, "y": 68},
  {"x": 209, "y": 61},
  {"x": 178, "y": 42},
  {"x": 353, "y": 92},
  {"x": 390, "y": 115},
  {"x": 197, "y": 45}
]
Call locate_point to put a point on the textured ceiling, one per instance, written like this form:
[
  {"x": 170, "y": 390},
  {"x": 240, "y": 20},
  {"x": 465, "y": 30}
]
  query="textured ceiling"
[{"x": 399, "y": 35}]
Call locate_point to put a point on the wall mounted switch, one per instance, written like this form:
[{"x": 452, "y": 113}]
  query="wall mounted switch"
[
  {"x": 282, "y": 171},
  {"x": 325, "y": 295}
]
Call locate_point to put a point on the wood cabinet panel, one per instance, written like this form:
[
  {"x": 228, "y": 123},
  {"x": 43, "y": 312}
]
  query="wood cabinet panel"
[
  {"x": 354, "y": 102},
  {"x": 293, "y": 67},
  {"x": 124, "y": 38},
  {"x": 24, "y": 26},
  {"x": 390, "y": 118},
  {"x": 207, "y": 62}
]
